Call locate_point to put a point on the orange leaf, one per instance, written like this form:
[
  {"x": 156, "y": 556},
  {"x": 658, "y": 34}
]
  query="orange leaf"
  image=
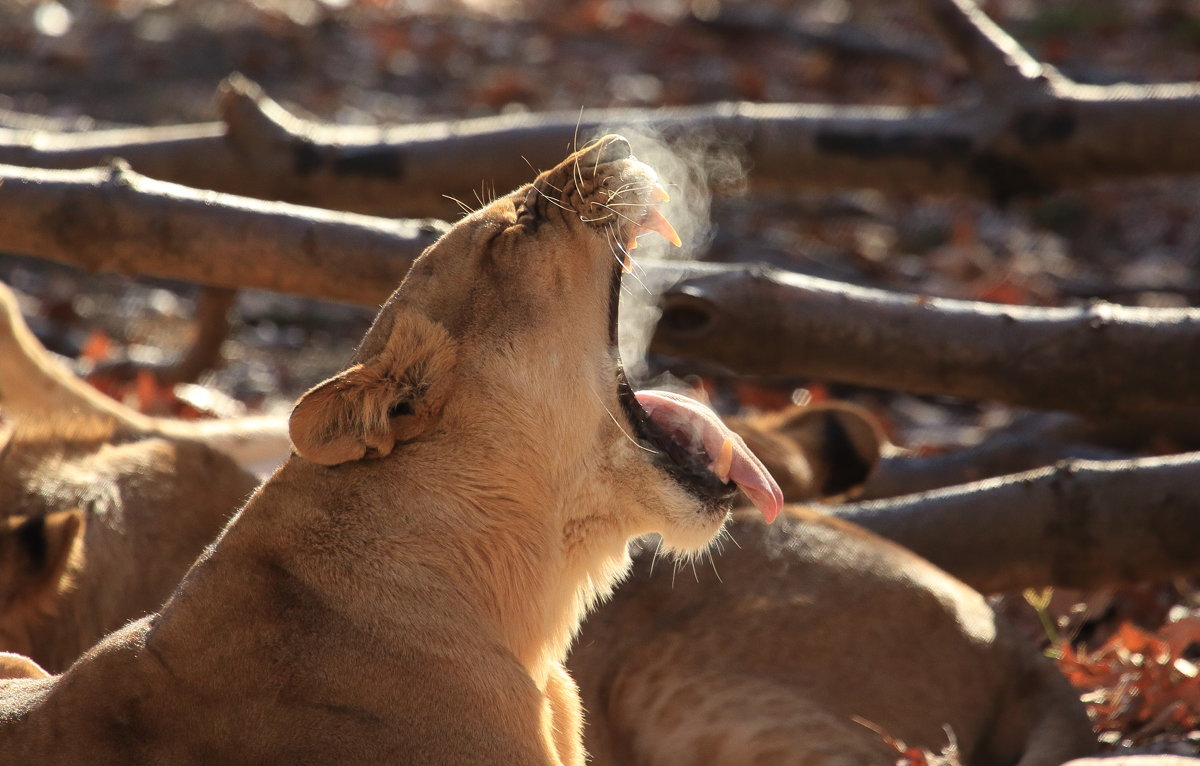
[
  {"x": 97, "y": 347},
  {"x": 1001, "y": 291},
  {"x": 147, "y": 390}
]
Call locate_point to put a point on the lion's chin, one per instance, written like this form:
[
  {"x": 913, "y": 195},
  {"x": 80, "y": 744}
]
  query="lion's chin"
[{"x": 684, "y": 537}]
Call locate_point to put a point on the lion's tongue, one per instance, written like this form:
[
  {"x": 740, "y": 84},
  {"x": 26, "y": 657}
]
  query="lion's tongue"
[{"x": 678, "y": 414}]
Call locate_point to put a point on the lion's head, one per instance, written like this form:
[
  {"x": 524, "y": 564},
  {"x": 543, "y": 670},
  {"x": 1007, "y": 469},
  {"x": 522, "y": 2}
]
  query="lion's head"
[{"x": 500, "y": 347}]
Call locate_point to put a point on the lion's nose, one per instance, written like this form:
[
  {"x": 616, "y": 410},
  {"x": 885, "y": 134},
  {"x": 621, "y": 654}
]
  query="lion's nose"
[{"x": 609, "y": 149}]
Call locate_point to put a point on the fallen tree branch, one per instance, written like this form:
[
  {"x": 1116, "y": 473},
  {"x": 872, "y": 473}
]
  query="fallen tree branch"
[
  {"x": 993, "y": 56},
  {"x": 1102, "y": 358},
  {"x": 897, "y": 475},
  {"x": 204, "y": 353},
  {"x": 1080, "y": 524},
  {"x": 212, "y": 328},
  {"x": 117, "y": 220},
  {"x": 1043, "y": 136}
]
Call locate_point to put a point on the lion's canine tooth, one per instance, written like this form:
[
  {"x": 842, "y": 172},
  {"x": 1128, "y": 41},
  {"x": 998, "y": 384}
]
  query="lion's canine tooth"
[
  {"x": 724, "y": 461},
  {"x": 659, "y": 194},
  {"x": 655, "y": 222}
]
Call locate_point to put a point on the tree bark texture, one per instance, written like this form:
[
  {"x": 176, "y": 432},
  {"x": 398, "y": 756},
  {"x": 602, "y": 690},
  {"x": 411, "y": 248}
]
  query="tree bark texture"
[
  {"x": 1079, "y": 524},
  {"x": 117, "y": 220},
  {"x": 897, "y": 475},
  {"x": 1101, "y": 359}
]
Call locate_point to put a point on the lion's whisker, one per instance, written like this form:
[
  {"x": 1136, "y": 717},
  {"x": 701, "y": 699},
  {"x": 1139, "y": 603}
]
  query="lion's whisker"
[
  {"x": 634, "y": 266},
  {"x": 464, "y": 206},
  {"x": 657, "y": 553},
  {"x": 536, "y": 172},
  {"x": 575, "y": 138},
  {"x": 712, "y": 560},
  {"x": 547, "y": 182},
  {"x": 617, "y": 213},
  {"x": 553, "y": 201},
  {"x": 629, "y": 187},
  {"x": 620, "y": 427},
  {"x": 613, "y": 248}
]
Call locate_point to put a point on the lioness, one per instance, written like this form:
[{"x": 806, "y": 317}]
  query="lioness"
[
  {"x": 803, "y": 640},
  {"x": 170, "y": 497},
  {"x": 97, "y": 526},
  {"x": 404, "y": 588},
  {"x": 34, "y": 387},
  {"x": 819, "y": 451}
]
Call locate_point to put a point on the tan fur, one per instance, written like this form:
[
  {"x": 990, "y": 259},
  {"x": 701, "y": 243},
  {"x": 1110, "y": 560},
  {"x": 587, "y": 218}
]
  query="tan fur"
[
  {"x": 767, "y": 654},
  {"x": 147, "y": 506},
  {"x": 823, "y": 450},
  {"x": 19, "y": 666},
  {"x": 32, "y": 381},
  {"x": 40, "y": 559},
  {"x": 34, "y": 387},
  {"x": 404, "y": 590}
]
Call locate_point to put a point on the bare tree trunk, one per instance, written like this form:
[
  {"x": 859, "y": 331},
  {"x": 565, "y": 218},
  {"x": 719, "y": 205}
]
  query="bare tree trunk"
[
  {"x": 1080, "y": 524},
  {"x": 1103, "y": 358}
]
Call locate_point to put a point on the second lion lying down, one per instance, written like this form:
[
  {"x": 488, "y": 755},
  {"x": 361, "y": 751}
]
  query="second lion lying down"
[{"x": 404, "y": 589}]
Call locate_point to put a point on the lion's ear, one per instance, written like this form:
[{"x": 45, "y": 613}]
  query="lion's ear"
[
  {"x": 393, "y": 397},
  {"x": 39, "y": 551},
  {"x": 842, "y": 443},
  {"x": 337, "y": 421}
]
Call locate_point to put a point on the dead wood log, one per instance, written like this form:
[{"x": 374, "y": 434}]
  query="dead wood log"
[
  {"x": 846, "y": 41},
  {"x": 1032, "y": 131},
  {"x": 1142, "y": 759},
  {"x": 897, "y": 475},
  {"x": 212, "y": 328},
  {"x": 202, "y": 354},
  {"x": 1079, "y": 524},
  {"x": 117, "y": 220},
  {"x": 1100, "y": 358}
]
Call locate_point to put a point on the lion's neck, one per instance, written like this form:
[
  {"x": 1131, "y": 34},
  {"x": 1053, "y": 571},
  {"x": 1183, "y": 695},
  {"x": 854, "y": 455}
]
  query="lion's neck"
[
  {"x": 535, "y": 582},
  {"x": 509, "y": 557}
]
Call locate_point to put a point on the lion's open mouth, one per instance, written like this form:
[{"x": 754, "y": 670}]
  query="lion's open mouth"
[
  {"x": 686, "y": 439},
  {"x": 693, "y": 446}
]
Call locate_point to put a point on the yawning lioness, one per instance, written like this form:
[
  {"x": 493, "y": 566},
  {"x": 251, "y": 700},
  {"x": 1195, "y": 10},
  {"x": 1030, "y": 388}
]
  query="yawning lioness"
[{"x": 403, "y": 589}]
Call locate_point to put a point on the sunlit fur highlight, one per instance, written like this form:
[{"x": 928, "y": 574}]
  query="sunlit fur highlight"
[{"x": 404, "y": 588}]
